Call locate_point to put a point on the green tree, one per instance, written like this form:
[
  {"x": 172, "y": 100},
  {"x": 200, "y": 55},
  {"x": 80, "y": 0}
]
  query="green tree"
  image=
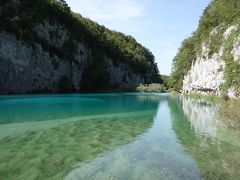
[{"x": 64, "y": 4}]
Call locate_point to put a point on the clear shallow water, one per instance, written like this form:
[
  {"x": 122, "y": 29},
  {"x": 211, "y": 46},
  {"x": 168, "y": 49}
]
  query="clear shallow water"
[{"x": 115, "y": 136}]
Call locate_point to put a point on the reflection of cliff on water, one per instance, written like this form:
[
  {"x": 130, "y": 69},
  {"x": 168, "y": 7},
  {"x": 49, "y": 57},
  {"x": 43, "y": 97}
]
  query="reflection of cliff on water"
[
  {"x": 202, "y": 115},
  {"x": 217, "y": 158},
  {"x": 51, "y": 153}
]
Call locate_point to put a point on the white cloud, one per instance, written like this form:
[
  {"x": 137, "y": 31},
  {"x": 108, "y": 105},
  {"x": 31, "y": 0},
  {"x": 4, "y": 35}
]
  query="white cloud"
[{"x": 105, "y": 10}]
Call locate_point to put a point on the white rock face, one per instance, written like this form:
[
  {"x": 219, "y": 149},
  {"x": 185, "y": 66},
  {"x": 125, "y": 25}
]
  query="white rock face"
[
  {"x": 236, "y": 49},
  {"x": 232, "y": 92},
  {"x": 206, "y": 75},
  {"x": 229, "y": 31}
]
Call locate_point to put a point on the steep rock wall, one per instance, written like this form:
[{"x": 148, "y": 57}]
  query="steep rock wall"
[
  {"x": 208, "y": 72},
  {"x": 26, "y": 69},
  {"x": 29, "y": 68},
  {"x": 120, "y": 76}
]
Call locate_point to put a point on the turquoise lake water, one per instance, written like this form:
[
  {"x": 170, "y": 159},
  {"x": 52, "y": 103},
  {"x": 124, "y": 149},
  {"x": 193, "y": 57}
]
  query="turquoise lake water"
[{"x": 115, "y": 136}]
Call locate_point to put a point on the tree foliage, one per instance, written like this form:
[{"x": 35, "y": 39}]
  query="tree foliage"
[
  {"x": 182, "y": 63},
  {"x": 151, "y": 88}
]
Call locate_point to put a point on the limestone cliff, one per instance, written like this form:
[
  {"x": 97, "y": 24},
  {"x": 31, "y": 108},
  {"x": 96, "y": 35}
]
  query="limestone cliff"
[
  {"x": 207, "y": 71},
  {"x": 44, "y": 47},
  {"x": 209, "y": 61}
]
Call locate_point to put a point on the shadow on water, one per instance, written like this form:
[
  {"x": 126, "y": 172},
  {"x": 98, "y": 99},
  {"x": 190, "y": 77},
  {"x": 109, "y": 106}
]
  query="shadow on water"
[{"x": 198, "y": 127}]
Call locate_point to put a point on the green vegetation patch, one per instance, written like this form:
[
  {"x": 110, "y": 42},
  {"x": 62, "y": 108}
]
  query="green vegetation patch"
[
  {"x": 232, "y": 70},
  {"x": 157, "y": 88},
  {"x": 229, "y": 113}
]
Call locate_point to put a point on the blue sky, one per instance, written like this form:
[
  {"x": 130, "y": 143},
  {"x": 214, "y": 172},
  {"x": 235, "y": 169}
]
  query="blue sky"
[{"x": 160, "y": 25}]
